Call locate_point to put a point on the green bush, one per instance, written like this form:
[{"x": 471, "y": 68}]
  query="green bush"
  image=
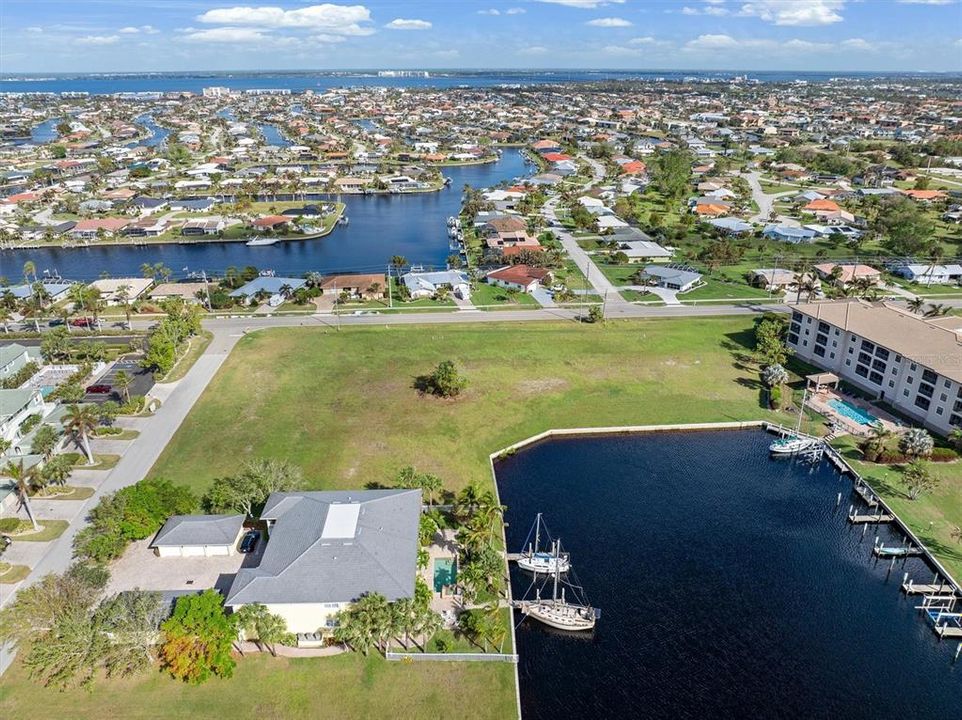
[
  {"x": 132, "y": 513},
  {"x": 775, "y": 397},
  {"x": 8, "y": 525},
  {"x": 20, "y": 377},
  {"x": 29, "y": 424}
]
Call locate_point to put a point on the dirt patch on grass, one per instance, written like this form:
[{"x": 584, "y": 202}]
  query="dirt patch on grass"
[{"x": 539, "y": 386}]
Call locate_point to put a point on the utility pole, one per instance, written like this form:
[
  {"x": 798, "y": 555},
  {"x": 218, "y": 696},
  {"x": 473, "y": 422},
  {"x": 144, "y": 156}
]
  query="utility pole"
[
  {"x": 206, "y": 289},
  {"x": 390, "y": 295}
]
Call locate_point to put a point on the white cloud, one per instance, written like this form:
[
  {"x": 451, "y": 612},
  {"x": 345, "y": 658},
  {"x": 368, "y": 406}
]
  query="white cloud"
[
  {"x": 515, "y": 11},
  {"x": 328, "y": 18},
  {"x": 584, "y": 4},
  {"x": 926, "y": 2},
  {"x": 226, "y": 35},
  {"x": 646, "y": 40},
  {"x": 795, "y": 12},
  {"x": 719, "y": 44},
  {"x": 34, "y": 29},
  {"x": 402, "y": 24},
  {"x": 149, "y": 29},
  {"x": 326, "y": 38},
  {"x": 859, "y": 44},
  {"x": 712, "y": 42},
  {"x": 609, "y": 22},
  {"x": 492, "y": 11},
  {"x": 533, "y": 50},
  {"x": 129, "y": 30},
  {"x": 98, "y": 40},
  {"x": 710, "y": 10}
]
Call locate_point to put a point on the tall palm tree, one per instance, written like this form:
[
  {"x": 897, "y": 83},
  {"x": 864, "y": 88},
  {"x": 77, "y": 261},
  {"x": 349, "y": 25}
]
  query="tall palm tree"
[
  {"x": 937, "y": 310},
  {"x": 123, "y": 380},
  {"x": 81, "y": 422},
  {"x": 916, "y": 304},
  {"x": 123, "y": 296},
  {"x": 29, "y": 271},
  {"x": 24, "y": 480},
  {"x": 5, "y": 317}
]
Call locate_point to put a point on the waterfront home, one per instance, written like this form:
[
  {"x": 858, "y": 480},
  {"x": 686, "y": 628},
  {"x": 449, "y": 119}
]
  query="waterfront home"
[
  {"x": 194, "y": 205},
  {"x": 327, "y": 549},
  {"x": 847, "y": 274},
  {"x": 198, "y": 536},
  {"x": 519, "y": 277},
  {"x": 369, "y": 286},
  {"x": 731, "y": 225},
  {"x": 56, "y": 291},
  {"x": 908, "y": 360},
  {"x": 926, "y": 274},
  {"x": 148, "y": 227},
  {"x": 268, "y": 286},
  {"x": 203, "y": 226},
  {"x": 426, "y": 284},
  {"x": 672, "y": 277},
  {"x": 191, "y": 292},
  {"x": 110, "y": 288},
  {"x": 270, "y": 222},
  {"x": 88, "y": 229}
]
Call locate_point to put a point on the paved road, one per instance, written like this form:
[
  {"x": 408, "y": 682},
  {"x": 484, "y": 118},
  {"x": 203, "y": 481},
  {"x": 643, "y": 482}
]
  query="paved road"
[{"x": 764, "y": 201}]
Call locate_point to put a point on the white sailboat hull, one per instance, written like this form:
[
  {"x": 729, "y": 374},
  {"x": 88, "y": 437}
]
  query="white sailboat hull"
[
  {"x": 791, "y": 445},
  {"x": 561, "y": 615},
  {"x": 544, "y": 563}
]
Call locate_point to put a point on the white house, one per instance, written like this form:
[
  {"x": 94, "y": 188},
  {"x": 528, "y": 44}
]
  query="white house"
[
  {"x": 931, "y": 274},
  {"x": 15, "y": 407},
  {"x": 327, "y": 549}
]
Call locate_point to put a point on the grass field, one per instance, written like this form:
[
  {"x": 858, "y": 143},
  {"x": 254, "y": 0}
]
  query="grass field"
[
  {"x": 342, "y": 406},
  {"x": 345, "y": 686}
]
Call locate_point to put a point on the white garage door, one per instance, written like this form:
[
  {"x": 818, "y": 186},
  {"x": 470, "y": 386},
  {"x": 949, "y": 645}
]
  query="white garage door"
[
  {"x": 217, "y": 550},
  {"x": 192, "y": 550}
]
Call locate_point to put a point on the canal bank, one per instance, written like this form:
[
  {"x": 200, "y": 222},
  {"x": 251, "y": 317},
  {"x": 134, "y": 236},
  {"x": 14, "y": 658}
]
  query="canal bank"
[
  {"x": 412, "y": 225},
  {"x": 727, "y": 582}
]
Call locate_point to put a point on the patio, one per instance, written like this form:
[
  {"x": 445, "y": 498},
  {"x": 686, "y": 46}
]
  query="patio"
[{"x": 832, "y": 402}]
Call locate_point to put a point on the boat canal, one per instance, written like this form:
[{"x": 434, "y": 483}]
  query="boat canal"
[{"x": 730, "y": 584}]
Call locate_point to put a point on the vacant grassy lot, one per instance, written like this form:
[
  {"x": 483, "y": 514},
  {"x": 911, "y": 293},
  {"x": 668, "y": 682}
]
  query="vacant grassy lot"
[
  {"x": 346, "y": 686},
  {"x": 342, "y": 405}
]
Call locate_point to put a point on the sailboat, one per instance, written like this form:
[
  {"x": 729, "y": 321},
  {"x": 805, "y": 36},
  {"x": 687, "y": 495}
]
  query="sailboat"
[
  {"x": 558, "y": 612},
  {"x": 536, "y": 561},
  {"x": 795, "y": 442}
]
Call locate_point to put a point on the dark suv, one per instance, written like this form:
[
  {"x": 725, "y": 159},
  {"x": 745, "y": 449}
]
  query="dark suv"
[{"x": 249, "y": 541}]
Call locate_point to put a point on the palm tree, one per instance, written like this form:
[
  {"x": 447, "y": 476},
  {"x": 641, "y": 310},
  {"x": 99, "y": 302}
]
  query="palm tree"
[
  {"x": 955, "y": 437},
  {"x": 81, "y": 422},
  {"x": 916, "y": 443},
  {"x": 29, "y": 271},
  {"x": 398, "y": 262},
  {"x": 57, "y": 470},
  {"x": 5, "y": 317},
  {"x": 937, "y": 310},
  {"x": 917, "y": 478},
  {"x": 123, "y": 380},
  {"x": 123, "y": 295},
  {"x": 773, "y": 375},
  {"x": 916, "y": 304},
  {"x": 873, "y": 446},
  {"x": 24, "y": 480}
]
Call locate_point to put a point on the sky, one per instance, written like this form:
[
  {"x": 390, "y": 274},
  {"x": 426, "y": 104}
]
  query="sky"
[{"x": 38, "y": 36}]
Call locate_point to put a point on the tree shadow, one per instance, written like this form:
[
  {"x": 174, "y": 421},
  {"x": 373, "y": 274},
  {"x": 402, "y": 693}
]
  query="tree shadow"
[{"x": 423, "y": 384}]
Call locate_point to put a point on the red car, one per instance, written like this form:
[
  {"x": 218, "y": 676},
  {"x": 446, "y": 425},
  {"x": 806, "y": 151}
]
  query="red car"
[
  {"x": 81, "y": 322},
  {"x": 98, "y": 389}
]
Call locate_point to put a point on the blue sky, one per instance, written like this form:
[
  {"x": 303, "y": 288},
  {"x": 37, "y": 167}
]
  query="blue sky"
[{"x": 142, "y": 35}]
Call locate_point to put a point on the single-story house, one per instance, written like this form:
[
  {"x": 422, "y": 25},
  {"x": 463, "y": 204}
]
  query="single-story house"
[
  {"x": 198, "y": 536},
  {"x": 270, "y": 285},
  {"x": 88, "y": 229},
  {"x": 788, "y": 233},
  {"x": 426, "y": 284},
  {"x": 195, "y": 205},
  {"x": 519, "y": 277},
  {"x": 271, "y": 222},
  {"x": 180, "y": 290},
  {"x": 644, "y": 251},
  {"x": 56, "y": 290},
  {"x": 359, "y": 285},
  {"x": 731, "y": 225},
  {"x": 673, "y": 278},
  {"x": 777, "y": 279},
  {"x": 931, "y": 274},
  {"x": 110, "y": 287},
  {"x": 327, "y": 549},
  {"x": 848, "y": 273},
  {"x": 203, "y": 226}
]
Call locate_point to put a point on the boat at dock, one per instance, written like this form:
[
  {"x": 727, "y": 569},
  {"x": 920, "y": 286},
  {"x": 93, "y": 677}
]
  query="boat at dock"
[
  {"x": 558, "y": 612},
  {"x": 534, "y": 560},
  {"x": 794, "y": 443},
  {"x": 343, "y": 220},
  {"x": 261, "y": 241}
]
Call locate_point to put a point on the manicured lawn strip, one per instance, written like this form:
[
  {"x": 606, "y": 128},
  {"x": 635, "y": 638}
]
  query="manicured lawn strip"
[
  {"x": 198, "y": 344},
  {"x": 344, "y": 686},
  {"x": 342, "y": 406},
  {"x": 49, "y": 530},
  {"x": 485, "y": 294},
  {"x": 932, "y": 516},
  {"x": 12, "y": 573},
  {"x": 69, "y": 492},
  {"x": 719, "y": 290}
]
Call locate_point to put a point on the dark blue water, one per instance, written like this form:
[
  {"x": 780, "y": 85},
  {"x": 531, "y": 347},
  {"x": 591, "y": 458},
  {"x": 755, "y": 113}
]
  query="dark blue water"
[
  {"x": 44, "y": 132},
  {"x": 321, "y": 81},
  {"x": 272, "y": 136},
  {"x": 158, "y": 134},
  {"x": 730, "y": 587},
  {"x": 380, "y": 226}
]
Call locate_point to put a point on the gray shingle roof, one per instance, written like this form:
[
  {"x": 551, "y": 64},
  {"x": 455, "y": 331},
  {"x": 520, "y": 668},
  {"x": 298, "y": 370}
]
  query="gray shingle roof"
[
  {"x": 309, "y": 560},
  {"x": 199, "y": 530}
]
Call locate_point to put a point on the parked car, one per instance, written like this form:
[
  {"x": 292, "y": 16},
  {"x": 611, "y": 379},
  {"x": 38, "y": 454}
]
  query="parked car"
[
  {"x": 98, "y": 389},
  {"x": 81, "y": 322},
  {"x": 249, "y": 541}
]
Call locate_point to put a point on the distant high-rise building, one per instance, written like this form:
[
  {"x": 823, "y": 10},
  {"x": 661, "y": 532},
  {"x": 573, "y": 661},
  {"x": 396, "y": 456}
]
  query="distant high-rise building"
[{"x": 216, "y": 91}]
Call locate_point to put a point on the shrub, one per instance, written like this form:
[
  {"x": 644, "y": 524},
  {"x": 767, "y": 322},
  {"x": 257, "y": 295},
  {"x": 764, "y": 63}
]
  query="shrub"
[
  {"x": 445, "y": 381},
  {"x": 29, "y": 424},
  {"x": 775, "y": 397},
  {"x": 20, "y": 377}
]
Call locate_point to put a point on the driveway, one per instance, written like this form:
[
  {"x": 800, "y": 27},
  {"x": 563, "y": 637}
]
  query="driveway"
[
  {"x": 543, "y": 296},
  {"x": 142, "y": 384}
]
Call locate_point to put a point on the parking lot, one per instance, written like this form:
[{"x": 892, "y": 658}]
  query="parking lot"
[{"x": 143, "y": 381}]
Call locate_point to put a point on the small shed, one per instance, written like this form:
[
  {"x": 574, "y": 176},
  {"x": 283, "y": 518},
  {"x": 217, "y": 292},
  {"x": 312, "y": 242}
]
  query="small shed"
[{"x": 198, "y": 536}]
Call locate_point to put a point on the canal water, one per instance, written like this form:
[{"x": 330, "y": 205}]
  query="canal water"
[
  {"x": 412, "y": 225},
  {"x": 730, "y": 587}
]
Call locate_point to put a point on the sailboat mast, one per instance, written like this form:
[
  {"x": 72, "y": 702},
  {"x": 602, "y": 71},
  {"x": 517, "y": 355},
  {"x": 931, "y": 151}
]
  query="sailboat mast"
[
  {"x": 801, "y": 412},
  {"x": 556, "y": 545},
  {"x": 537, "y": 533}
]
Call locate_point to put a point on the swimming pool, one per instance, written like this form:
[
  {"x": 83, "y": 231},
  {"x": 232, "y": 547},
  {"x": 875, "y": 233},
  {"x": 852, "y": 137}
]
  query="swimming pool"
[
  {"x": 445, "y": 573},
  {"x": 847, "y": 409}
]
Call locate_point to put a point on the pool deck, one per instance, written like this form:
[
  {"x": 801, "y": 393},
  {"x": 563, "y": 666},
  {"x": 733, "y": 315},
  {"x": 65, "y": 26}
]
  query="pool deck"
[
  {"x": 447, "y": 603},
  {"x": 820, "y": 403}
]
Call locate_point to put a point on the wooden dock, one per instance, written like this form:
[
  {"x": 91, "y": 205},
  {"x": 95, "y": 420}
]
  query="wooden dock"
[
  {"x": 512, "y": 557},
  {"x": 912, "y": 588},
  {"x": 857, "y": 519},
  {"x": 868, "y": 497},
  {"x": 884, "y": 551}
]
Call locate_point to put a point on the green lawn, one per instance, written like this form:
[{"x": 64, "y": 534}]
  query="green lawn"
[
  {"x": 485, "y": 294},
  {"x": 341, "y": 405},
  {"x": 49, "y": 530},
  {"x": 345, "y": 686},
  {"x": 11, "y": 574},
  {"x": 932, "y": 516},
  {"x": 715, "y": 289}
]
